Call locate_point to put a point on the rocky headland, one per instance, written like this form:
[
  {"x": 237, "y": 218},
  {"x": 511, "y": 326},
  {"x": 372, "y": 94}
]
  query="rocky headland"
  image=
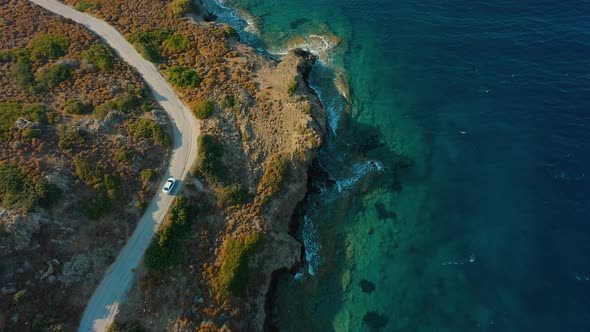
[{"x": 262, "y": 126}]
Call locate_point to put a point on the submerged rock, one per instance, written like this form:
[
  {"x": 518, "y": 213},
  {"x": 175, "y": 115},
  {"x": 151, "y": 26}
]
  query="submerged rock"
[
  {"x": 367, "y": 286},
  {"x": 375, "y": 320},
  {"x": 383, "y": 212}
]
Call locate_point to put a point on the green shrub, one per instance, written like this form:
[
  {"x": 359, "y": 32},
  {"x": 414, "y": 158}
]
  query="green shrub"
[
  {"x": 96, "y": 206},
  {"x": 177, "y": 43},
  {"x": 52, "y": 195},
  {"x": 88, "y": 171},
  {"x": 83, "y": 6},
  {"x": 74, "y": 106},
  {"x": 150, "y": 130},
  {"x": 111, "y": 187},
  {"x": 18, "y": 190},
  {"x": 53, "y": 117},
  {"x": 100, "y": 55},
  {"x": 292, "y": 87},
  {"x": 108, "y": 188},
  {"x": 232, "y": 278},
  {"x": 183, "y": 77},
  {"x": 228, "y": 101},
  {"x": 202, "y": 109},
  {"x": 307, "y": 109},
  {"x": 166, "y": 248},
  {"x": 10, "y": 112},
  {"x": 71, "y": 138},
  {"x": 55, "y": 74},
  {"x": 31, "y": 133},
  {"x": 35, "y": 112},
  {"x": 137, "y": 90},
  {"x": 148, "y": 43},
  {"x": 47, "y": 324},
  {"x": 49, "y": 47},
  {"x": 150, "y": 52},
  {"x": 20, "y": 296},
  {"x": 148, "y": 175},
  {"x": 133, "y": 326},
  {"x": 180, "y": 7},
  {"x": 21, "y": 72},
  {"x": 275, "y": 173},
  {"x": 225, "y": 31},
  {"x": 5, "y": 56},
  {"x": 233, "y": 194},
  {"x": 208, "y": 163},
  {"x": 124, "y": 154},
  {"x": 127, "y": 102},
  {"x": 124, "y": 103}
]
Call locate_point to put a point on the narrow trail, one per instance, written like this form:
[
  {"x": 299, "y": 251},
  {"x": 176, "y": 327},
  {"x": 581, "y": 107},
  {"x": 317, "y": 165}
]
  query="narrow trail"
[{"x": 112, "y": 290}]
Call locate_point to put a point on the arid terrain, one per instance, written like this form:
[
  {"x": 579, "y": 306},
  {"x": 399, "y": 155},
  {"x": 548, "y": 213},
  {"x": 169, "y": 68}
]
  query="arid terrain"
[
  {"x": 210, "y": 264},
  {"x": 81, "y": 151}
]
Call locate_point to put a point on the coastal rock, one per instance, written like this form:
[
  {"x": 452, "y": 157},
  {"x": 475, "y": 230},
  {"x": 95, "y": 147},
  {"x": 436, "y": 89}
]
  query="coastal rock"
[
  {"x": 159, "y": 116},
  {"x": 319, "y": 44},
  {"x": 23, "y": 123},
  {"x": 8, "y": 289},
  {"x": 48, "y": 272},
  {"x": 58, "y": 179},
  {"x": 19, "y": 230},
  {"x": 281, "y": 250},
  {"x": 74, "y": 270},
  {"x": 367, "y": 286},
  {"x": 375, "y": 320}
]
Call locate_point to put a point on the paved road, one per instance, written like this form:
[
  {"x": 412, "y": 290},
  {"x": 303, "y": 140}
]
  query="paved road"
[{"x": 104, "y": 303}]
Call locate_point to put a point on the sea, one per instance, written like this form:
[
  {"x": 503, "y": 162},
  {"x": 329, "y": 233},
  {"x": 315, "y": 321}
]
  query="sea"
[{"x": 453, "y": 190}]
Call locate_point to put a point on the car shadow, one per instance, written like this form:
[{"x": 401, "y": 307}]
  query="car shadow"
[{"x": 176, "y": 189}]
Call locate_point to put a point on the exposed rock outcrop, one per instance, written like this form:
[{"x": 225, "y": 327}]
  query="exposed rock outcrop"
[
  {"x": 281, "y": 250},
  {"x": 18, "y": 231}
]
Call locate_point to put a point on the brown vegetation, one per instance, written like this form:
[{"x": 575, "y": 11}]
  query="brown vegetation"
[
  {"x": 261, "y": 130},
  {"x": 258, "y": 113},
  {"x": 78, "y": 167}
]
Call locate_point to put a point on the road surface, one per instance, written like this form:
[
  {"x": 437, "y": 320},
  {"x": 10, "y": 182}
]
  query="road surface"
[{"x": 104, "y": 303}]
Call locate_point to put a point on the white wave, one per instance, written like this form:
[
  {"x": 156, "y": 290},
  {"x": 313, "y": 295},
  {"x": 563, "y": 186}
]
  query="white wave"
[
  {"x": 359, "y": 172},
  {"x": 332, "y": 103},
  {"x": 317, "y": 45},
  {"x": 246, "y": 27},
  {"x": 243, "y": 23},
  {"x": 312, "y": 245}
]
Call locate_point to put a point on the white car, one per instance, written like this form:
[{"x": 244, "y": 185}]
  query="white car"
[{"x": 168, "y": 186}]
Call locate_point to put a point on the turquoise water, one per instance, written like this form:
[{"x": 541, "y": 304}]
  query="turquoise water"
[{"x": 457, "y": 198}]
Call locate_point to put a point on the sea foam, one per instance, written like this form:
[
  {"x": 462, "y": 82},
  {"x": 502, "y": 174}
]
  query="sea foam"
[
  {"x": 312, "y": 245},
  {"x": 359, "y": 171}
]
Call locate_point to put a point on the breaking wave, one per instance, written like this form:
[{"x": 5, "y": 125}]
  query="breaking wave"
[
  {"x": 359, "y": 171},
  {"x": 312, "y": 245},
  {"x": 244, "y": 23}
]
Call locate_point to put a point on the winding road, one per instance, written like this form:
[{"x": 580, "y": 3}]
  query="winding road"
[{"x": 104, "y": 303}]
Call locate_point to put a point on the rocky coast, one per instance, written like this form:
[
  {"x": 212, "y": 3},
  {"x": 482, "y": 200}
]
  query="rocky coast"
[{"x": 261, "y": 125}]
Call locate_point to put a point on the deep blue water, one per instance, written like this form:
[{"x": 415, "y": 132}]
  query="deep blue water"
[{"x": 489, "y": 230}]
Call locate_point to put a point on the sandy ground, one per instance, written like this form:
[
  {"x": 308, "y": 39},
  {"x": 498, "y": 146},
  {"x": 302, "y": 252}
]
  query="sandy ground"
[{"x": 104, "y": 303}]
